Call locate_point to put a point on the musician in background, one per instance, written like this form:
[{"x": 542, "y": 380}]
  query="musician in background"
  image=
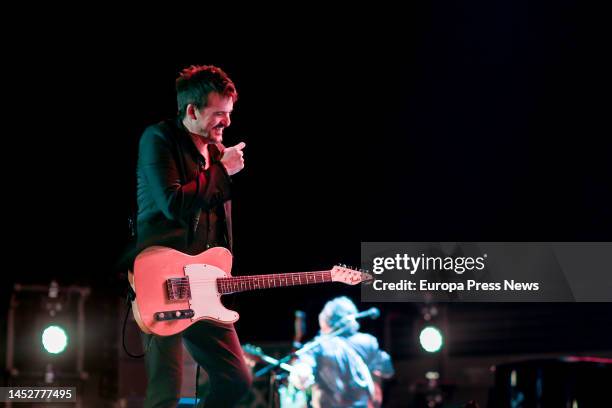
[
  {"x": 183, "y": 194},
  {"x": 344, "y": 370}
]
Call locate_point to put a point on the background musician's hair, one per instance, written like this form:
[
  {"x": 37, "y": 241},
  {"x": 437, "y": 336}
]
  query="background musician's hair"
[{"x": 336, "y": 310}]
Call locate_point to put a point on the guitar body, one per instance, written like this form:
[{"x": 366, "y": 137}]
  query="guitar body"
[
  {"x": 174, "y": 290},
  {"x": 156, "y": 265}
]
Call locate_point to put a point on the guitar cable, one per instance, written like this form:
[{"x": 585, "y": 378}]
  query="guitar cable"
[{"x": 131, "y": 296}]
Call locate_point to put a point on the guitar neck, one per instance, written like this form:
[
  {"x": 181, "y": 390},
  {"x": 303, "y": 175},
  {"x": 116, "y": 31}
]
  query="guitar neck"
[{"x": 244, "y": 283}]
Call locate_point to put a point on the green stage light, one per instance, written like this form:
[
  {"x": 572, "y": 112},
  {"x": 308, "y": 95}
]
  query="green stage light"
[
  {"x": 431, "y": 339},
  {"x": 54, "y": 339}
]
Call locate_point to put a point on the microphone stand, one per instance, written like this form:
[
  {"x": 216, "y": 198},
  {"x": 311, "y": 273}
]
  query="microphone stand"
[
  {"x": 274, "y": 397},
  {"x": 283, "y": 362}
]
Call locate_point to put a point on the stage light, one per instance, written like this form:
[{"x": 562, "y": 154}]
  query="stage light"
[
  {"x": 54, "y": 339},
  {"x": 431, "y": 339}
]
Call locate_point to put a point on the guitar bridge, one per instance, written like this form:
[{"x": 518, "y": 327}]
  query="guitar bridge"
[
  {"x": 178, "y": 288},
  {"x": 173, "y": 315}
]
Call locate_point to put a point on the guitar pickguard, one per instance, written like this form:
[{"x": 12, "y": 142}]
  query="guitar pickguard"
[{"x": 205, "y": 297}]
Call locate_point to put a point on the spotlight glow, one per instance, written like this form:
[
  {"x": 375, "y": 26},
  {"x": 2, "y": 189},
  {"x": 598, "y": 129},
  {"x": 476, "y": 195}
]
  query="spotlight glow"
[
  {"x": 54, "y": 339},
  {"x": 431, "y": 339}
]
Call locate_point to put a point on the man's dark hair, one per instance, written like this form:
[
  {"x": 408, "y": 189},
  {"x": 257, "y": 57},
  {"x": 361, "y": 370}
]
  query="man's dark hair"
[{"x": 195, "y": 83}]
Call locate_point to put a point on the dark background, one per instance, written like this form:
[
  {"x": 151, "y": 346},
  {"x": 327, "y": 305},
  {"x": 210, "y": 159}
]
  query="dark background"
[{"x": 483, "y": 121}]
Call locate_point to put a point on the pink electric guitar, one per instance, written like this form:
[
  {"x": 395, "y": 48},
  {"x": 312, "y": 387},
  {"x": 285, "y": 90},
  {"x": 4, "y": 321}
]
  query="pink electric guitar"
[{"x": 175, "y": 290}]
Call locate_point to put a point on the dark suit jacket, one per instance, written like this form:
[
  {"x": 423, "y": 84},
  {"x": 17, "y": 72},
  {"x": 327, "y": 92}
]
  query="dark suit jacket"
[{"x": 180, "y": 204}]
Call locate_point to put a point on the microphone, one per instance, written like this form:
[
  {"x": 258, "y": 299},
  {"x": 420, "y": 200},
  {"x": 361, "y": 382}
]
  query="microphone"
[{"x": 372, "y": 313}]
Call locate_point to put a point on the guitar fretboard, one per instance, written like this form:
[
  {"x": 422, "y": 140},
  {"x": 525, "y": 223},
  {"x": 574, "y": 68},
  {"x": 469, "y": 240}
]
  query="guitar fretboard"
[{"x": 244, "y": 283}]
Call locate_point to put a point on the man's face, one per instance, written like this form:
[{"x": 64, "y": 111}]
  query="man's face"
[{"x": 214, "y": 118}]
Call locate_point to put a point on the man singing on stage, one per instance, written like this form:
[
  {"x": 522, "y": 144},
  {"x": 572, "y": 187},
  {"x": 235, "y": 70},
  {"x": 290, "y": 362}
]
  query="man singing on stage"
[{"x": 344, "y": 370}]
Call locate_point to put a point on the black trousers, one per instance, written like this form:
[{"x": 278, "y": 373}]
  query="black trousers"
[{"x": 215, "y": 347}]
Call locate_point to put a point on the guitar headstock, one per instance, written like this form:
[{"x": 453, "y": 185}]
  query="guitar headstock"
[{"x": 341, "y": 273}]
